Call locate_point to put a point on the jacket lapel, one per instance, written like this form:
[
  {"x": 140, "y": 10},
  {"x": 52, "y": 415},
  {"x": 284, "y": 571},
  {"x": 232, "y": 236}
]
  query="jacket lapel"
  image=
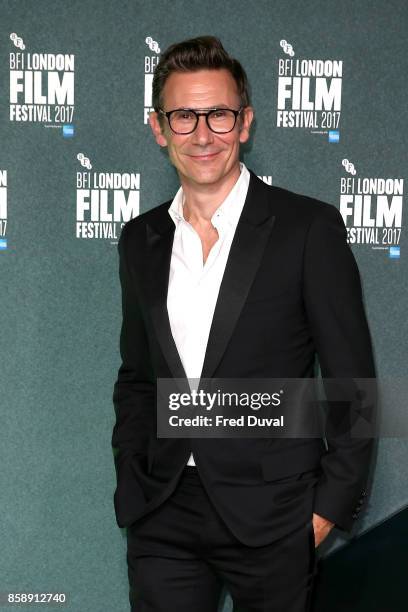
[
  {"x": 159, "y": 248},
  {"x": 250, "y": 239},
  {"x": 251, "y": 235}
]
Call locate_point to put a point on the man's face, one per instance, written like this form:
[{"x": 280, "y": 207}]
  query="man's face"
[{"x": 202, "y": 157}]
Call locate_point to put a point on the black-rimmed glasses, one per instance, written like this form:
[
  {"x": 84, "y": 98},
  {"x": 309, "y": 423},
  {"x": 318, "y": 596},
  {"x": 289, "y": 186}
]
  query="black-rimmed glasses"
[{"x": 185, "y": 120}]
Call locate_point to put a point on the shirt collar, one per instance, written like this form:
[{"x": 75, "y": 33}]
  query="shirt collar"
[{"x": 229, "y": 210}]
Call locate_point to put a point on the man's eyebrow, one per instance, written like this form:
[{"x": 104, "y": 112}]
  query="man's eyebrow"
[{"x": 223, "y": 105}]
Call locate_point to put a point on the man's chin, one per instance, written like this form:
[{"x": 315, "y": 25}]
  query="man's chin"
[{"x": 205, "y": 176}]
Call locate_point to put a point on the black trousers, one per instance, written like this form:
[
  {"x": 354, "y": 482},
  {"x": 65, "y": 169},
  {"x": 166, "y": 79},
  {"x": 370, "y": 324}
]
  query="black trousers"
[{"x": 182, "y": 554}]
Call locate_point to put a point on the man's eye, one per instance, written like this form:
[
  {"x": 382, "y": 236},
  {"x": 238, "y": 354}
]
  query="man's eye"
[
  {"x": 219, "y": 114},
  {"x": 185, "y": 115}
]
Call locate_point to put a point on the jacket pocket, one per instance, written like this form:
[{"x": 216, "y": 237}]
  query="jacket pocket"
[
  {"x": 312, "y": 547},
  {"x": 295, "y": 463}
]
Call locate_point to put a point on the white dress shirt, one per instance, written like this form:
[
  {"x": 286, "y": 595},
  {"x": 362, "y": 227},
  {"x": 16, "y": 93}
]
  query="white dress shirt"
[{"x": 194, "y": 286}]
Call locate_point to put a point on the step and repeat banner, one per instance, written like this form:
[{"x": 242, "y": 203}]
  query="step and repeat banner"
[{"x": 78, "y": 159}]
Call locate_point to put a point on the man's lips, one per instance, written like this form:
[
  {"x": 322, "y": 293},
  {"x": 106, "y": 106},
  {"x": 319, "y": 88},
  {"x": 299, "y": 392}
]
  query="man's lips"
[{"x": 204, "y": 156}]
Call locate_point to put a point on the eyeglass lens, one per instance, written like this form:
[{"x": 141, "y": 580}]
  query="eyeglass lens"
[{"x": 184, "y": 121}]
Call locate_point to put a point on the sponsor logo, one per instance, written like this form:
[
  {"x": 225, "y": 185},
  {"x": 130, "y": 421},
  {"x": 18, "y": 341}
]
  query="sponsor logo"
[
  {"x": 41, "y": 86},
  {"x": 104, "y": 201},
  {"x": 68, "y": 131},
  {"x": 348, "y": 166},
  {"x": 287, "y": 47},
  {"x": 150, "y": 63},
  {"x": 394, "y": 252},
  {"x": 309, "y": 93},
  {"x": 371, "y": 208}
]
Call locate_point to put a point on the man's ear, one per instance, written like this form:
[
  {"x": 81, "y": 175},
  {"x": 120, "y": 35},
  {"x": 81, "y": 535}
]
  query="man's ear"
[
  {"x": 244, "y": 130},
  {"x": 156, "y": 129}
]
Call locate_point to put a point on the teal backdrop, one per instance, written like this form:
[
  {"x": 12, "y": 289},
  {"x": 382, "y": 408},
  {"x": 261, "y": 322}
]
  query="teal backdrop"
[{"x": 60, "y": 297}]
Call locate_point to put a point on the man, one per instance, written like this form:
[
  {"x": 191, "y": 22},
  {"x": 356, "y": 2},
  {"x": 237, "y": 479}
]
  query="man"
[{"x": 230, "y": 279}]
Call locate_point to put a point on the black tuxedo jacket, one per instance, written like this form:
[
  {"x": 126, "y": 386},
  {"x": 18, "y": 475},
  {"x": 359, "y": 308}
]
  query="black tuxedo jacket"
[{"x": 291, "y": 290}]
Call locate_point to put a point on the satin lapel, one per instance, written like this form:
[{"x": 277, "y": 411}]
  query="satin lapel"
[
  {"x": 244, "y": 258},
  {"x": 159, "y": 247}
]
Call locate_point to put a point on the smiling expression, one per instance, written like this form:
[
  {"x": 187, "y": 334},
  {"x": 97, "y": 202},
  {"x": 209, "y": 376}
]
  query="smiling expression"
[{"x": 202, "y": 157}]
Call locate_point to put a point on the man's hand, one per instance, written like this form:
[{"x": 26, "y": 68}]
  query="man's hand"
[{"x": 321, "y": 527}]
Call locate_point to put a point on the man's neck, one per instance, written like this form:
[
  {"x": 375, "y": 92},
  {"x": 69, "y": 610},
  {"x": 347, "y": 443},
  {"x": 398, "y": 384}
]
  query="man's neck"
[{"x": 201, "y": 201}]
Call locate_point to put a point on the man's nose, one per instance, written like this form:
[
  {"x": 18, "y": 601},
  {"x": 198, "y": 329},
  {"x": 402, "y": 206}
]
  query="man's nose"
[{"x": 202, "y": 134}]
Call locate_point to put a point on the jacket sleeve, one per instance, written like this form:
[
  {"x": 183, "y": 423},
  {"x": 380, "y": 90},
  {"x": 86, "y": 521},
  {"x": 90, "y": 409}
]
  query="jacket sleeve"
[
  {"x": 335, "y": 311},
  {"x": 134, "y": 389}
]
